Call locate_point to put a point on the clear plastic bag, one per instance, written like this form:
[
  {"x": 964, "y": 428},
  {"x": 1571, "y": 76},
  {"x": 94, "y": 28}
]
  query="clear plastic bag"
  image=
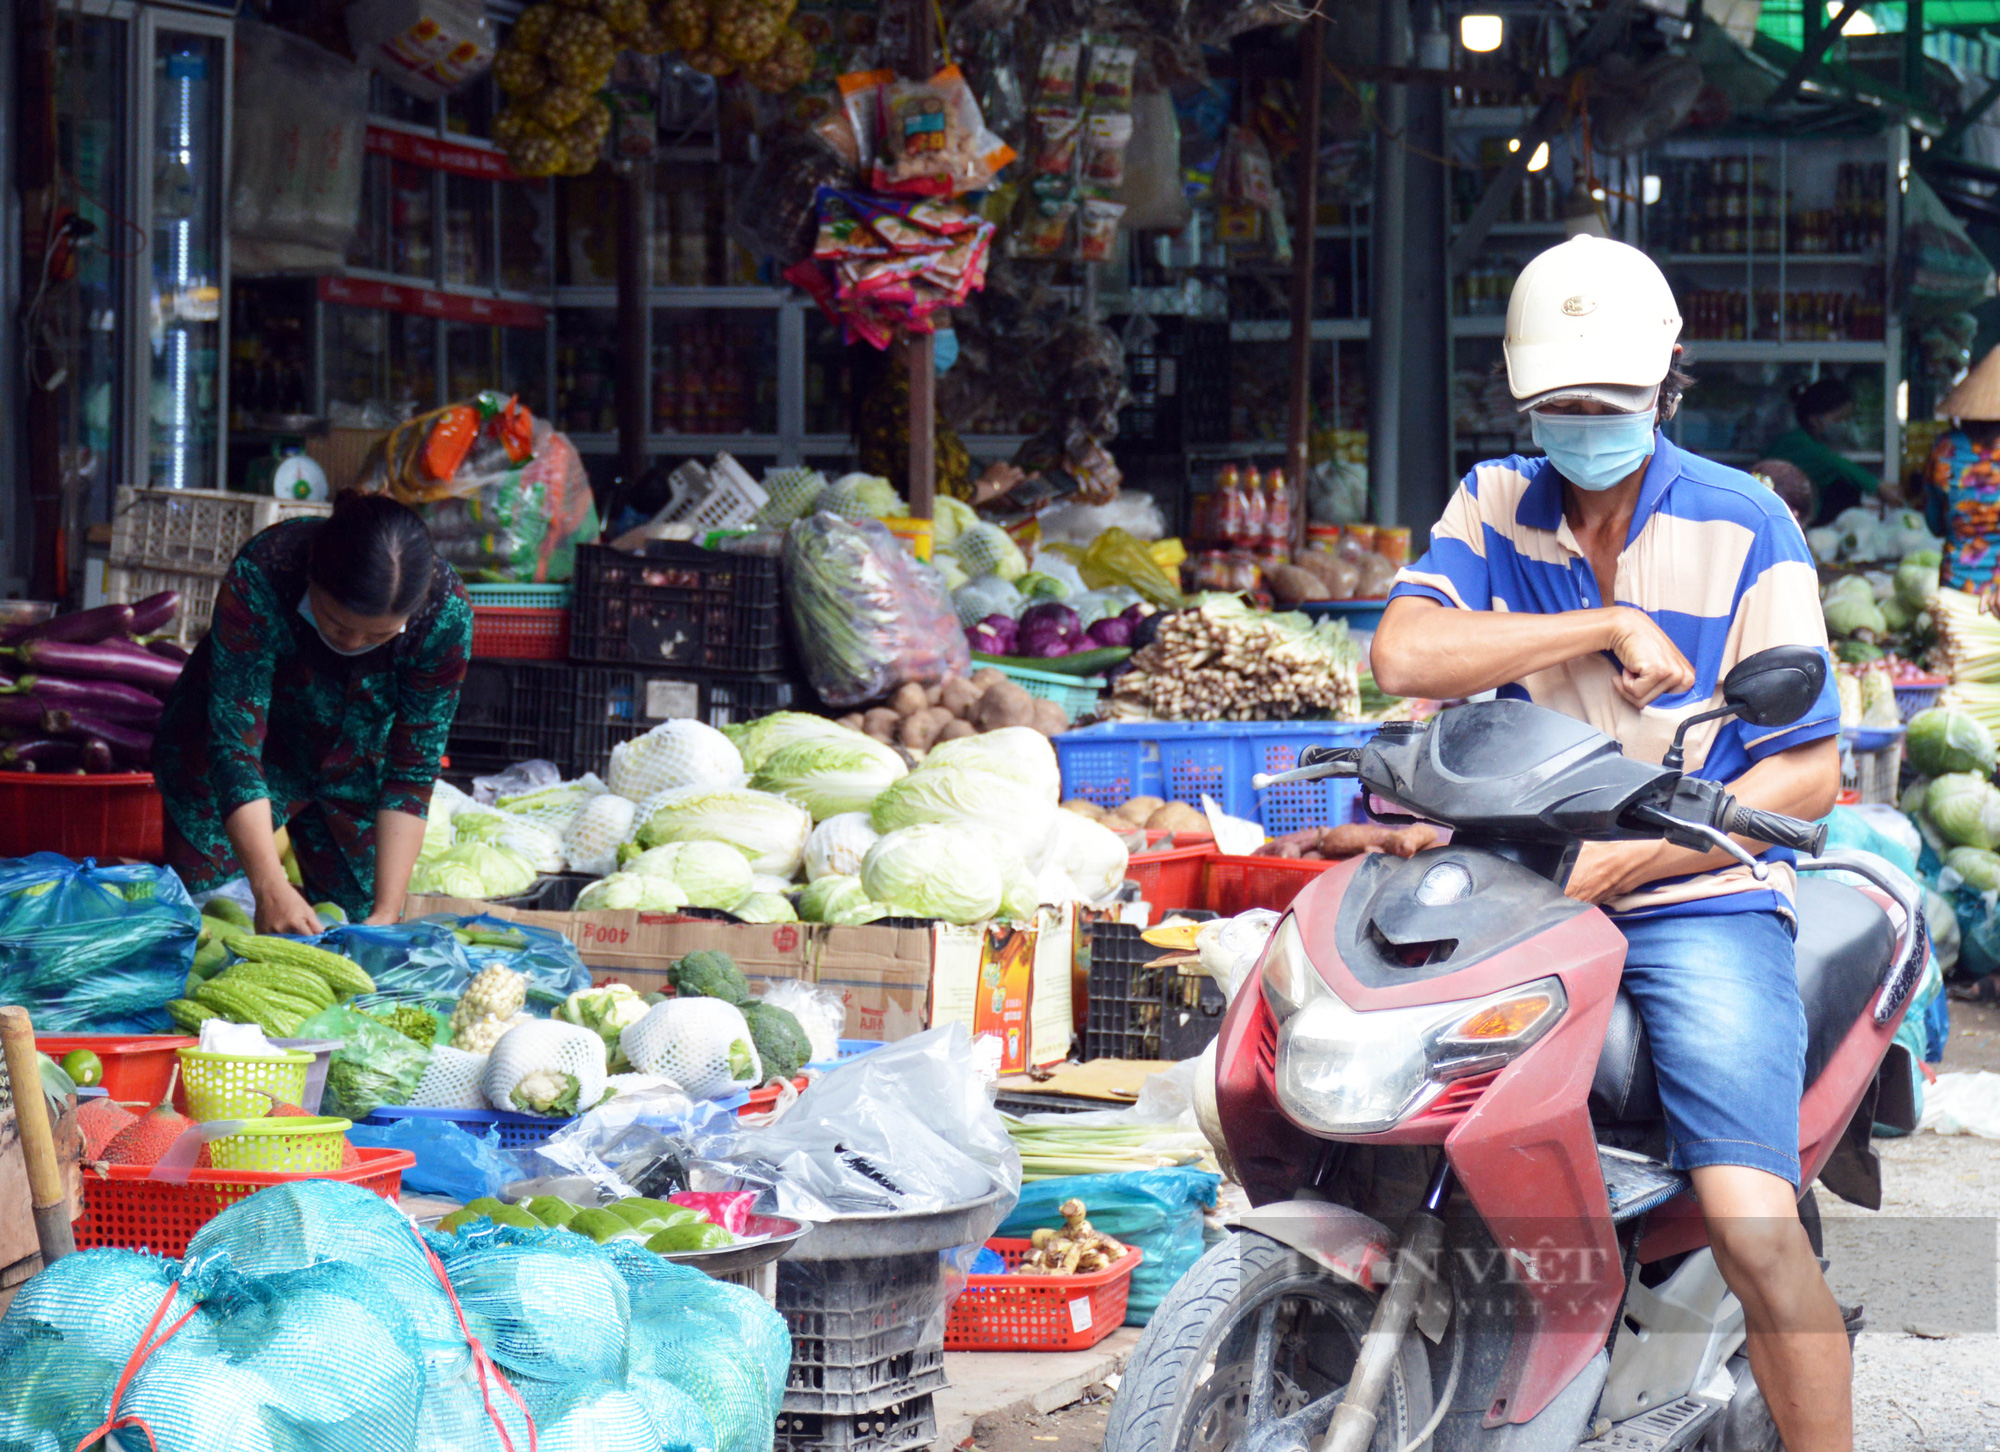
[
  {"x": 295, "y": 183},
  {"x": 638, "y": 1144},
  {"x": 869, "y": 620},
  {"x": 374, "y": 1065},
  {"x": 820, "y": 1012},
  {"x": 94, "y": 949},
  {"x": 907, "y": 1127}
]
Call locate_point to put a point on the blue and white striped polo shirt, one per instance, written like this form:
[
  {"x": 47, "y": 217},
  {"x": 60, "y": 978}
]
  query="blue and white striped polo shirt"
[{"x": 1719, "y": 564}]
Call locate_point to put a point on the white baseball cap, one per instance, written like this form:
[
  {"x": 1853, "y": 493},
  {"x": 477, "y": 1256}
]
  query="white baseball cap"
[{"x": 1590, "y": 318}]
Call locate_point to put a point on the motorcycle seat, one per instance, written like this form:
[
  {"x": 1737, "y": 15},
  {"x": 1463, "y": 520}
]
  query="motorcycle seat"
[{"x": 1845, "y": 940}]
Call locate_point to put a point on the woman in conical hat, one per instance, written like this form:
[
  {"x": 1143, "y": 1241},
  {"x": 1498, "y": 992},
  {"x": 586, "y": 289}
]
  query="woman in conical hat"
[{"x": 1962, "y": 497}]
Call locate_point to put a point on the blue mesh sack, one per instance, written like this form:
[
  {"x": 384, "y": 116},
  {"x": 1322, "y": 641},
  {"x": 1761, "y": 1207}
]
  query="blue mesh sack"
[
  {"x": 454, "y": 1417},
  {"x": 89, "y": 949},
  {"x": 686, "y": 1351},
  {"x": 1157, "y": 1210},
  {"x": 547, "y": 1304},
  {"x": 663, "y": 1294},
  {"x": 66, "y": 1338},
  {"x": 313, "y": 1222},
  {"x": 678, "y": 1420},
  {"x": 595, "y": 1417}
]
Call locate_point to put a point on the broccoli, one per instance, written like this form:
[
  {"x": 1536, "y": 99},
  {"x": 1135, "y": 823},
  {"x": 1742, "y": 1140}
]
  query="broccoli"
[
  {"x": 781, "y": 1042},
  {"x": 709, "y": 974}
]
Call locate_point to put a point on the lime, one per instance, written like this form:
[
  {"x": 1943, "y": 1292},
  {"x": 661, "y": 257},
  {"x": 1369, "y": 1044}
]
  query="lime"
[{"x": 84, "y": 1067}]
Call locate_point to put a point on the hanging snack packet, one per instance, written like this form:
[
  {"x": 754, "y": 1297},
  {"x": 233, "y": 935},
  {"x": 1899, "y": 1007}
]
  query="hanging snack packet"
[
  {"x": 933, "y": 140},
  {"x": 1057, "y": 131},
  {"x": 1055, "y": 81},
  {"x": 1049, "y": 204},
  {"x": 860, "y": 102},
  {"x": 1097, "y": 231},
  {"x": 843, "y": 233},
  {"x": 1105, "y": 139},
  {"x": 1108, "y": 83}
]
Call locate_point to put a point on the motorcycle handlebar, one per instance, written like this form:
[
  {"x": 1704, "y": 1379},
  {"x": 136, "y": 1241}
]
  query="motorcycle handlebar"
[
  {"x": 1330, "y": 756},
  {"x": 1779, "y": 831}
]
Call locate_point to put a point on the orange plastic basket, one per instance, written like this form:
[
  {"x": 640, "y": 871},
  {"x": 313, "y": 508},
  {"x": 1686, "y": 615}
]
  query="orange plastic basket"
[
  {"x": 119, "y": 814},
  {"x": 1039, "y": 1313},
  {"x": 505, "y": 632},
  {"x": 124, "y": 1209},
  {"x": 1232, "y": 885},
  {"x": 1170, "y": 880},
  {"x": 136, "y": 1067}
]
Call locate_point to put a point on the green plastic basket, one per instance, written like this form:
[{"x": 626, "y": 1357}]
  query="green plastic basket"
[
  {"x": 520, "y": 597},
  {"x": 233, "y": 1086},
  {"x": 294, "y": 1145},
  {"x": 1077, "y": 696}
]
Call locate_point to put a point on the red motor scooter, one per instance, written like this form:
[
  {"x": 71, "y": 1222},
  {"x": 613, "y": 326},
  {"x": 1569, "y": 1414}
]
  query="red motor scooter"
[{"x": 1465, "y": 1235}]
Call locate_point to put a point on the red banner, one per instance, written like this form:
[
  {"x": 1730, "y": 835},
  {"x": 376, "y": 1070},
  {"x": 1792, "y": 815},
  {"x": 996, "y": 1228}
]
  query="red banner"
[
  {"x": 430, "y": 303},
  {"x": 440, "y": 155}
]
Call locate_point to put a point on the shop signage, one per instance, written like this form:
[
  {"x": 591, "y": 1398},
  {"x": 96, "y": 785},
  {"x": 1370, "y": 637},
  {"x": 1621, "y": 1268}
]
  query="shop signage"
[
  {"x": 429, "y": 302},
  {"x": 428, "y": 151}
]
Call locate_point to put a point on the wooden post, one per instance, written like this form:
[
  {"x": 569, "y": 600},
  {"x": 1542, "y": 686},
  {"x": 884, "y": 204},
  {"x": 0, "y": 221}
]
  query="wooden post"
[
  {"x": 38, "y": 1137},
  {"x": 634, "y": 267},
  {"x": 919, "y": 64},
  {"x": 1298, "y": 452}
]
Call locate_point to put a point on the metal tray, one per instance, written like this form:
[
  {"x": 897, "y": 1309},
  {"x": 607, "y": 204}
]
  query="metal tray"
[
  {"x": 859, "y": 1237},
  {"x": 775, "y": 1238}
]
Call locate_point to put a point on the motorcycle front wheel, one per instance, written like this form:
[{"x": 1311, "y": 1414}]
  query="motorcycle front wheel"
[{"x": 1254, "y": 1333}]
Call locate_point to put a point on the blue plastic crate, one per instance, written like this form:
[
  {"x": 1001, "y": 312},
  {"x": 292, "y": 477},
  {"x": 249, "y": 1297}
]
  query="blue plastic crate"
[
  {"x": 849, "y": 1049},
  {"x": 517, "y": 1131},
  {"x": 1180, "y": 760}
]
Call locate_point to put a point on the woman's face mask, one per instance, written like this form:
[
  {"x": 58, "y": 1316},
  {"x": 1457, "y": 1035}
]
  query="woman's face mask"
[
  {"x": 1594, "y": 450},
  {"x": 342, "y": 631}
]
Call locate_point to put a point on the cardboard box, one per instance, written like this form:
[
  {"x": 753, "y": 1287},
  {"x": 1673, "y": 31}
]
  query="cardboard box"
[{"x": 896, "y": 978}]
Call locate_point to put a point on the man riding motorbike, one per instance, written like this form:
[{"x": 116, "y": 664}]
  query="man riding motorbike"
[{"x": 1617, "y": 580}]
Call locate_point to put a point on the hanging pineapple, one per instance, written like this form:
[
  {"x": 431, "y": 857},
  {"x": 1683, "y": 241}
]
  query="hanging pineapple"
[
  {"x": 531, "y": 32},
  {"x": 625, "y": 17},
  {"x": 786, "y": 68},
  {"x": 581, "y": 50}
]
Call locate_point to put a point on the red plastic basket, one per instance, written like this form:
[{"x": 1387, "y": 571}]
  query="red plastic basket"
[
  {"x": 765, "y": 1097},
  {"x": 110, "y": 816},
  {"x": 1231, "y": 885},
  {"x": 129, "y": 1211},
  {"x": 1170, "y": 880},
  {"x": 1039, "y": 1313},
  {"x": 506, "y": 632},
  {"x": 136, "y": 1068}
]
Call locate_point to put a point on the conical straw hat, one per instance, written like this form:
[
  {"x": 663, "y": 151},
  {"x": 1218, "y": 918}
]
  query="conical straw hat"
[{"x": 1977, "y": 396}]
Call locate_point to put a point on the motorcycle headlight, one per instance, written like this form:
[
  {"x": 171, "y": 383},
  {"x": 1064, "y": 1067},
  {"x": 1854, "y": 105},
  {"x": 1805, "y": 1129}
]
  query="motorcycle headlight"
[{"x": 1342, "y": 1071}]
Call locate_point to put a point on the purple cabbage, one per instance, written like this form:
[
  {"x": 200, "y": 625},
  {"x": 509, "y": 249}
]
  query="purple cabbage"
[
  {"x": 995, "y": 635},
  {"x": 1051, "y": 629},
  {"x": 1112, "y": 630}
]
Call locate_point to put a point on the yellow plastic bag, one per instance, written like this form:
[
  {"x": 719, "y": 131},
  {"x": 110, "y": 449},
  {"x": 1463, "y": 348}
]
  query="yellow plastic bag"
[
  {"x": 1167, "y": 553},
  {"x": 1116, "y": 558}
]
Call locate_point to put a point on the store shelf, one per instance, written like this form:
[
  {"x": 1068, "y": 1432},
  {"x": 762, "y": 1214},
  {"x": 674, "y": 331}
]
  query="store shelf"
[
  {"x": 1718, "y": 350},
  {"x": 1490, "y": 118},
  {"x": 1481, "y": 325},
  {"x": 683, "y": 297},
  {"x": 1276, "y": 330},
  {"x": 1769, "y": 259}
]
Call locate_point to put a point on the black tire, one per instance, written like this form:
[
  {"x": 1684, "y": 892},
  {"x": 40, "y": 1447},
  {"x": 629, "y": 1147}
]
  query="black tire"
[{"x": 1174, "y": 1394}]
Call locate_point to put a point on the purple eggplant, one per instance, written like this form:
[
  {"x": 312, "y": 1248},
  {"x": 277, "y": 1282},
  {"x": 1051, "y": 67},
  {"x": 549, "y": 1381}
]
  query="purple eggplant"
[
  {"x": 130, "y": 745},
  {"x": 21, "y": 711},
  {"x": 83, "y": 627},
  {"x": 41, "y": 753},
  {"x": 100, "y": 662},
  {"x": 97, "y": 757},
  {"x": 169, "y": 650},
  {"x": 153, "y": 612},
  {"x": 112, "y": 700}
]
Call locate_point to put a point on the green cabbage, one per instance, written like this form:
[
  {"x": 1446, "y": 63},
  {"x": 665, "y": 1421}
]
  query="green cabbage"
[
  {"x": 1966, "y": 809},
  {"x": 711, "y": 874},
  {"x": 474, "y": 869},
  {"x": 863, "y": 910},
  {"x": 828, "y": 777},
  {"x": 987, "y": 549},
  {"x": 1019, "y": 752},
  {"x": 1979, "y": 868},
  {"x": 1850, "y": 614},
  {"x": 632, "y": 891},
  {"x": 861, "y": 496},
  {"x": 765, "y": 907},
  {"x": 838, "y": 844},
  {"x": 1036, "y": 586},
  {"x": 767, "y": 829},
  {"x": 759, "y": 740},
  {"x": 1946, "y": 739},
  {"x": 950, "y": 518},
  {"x": 823, "y": 901},
  {"x": 1019, "y": 894},
  {"x": 1917, "y": 582},
  {"x": 980, "y": 801},
  {"x": 935, "y": 872},
  {"x": 1913, "y": 796}
]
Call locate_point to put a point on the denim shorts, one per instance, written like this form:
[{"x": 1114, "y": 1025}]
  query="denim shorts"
[{"x": 1719, "y": 996}]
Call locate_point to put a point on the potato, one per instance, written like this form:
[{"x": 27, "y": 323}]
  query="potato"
[
  {"x": 1050, "y": 719},
  {"x": 1005, "y": 704},
  {"x": 920, "y": 730},
  {"x": 1137, "y": 809},
  {"x": 955, "y": 728},
  {"x": 988, "y": 677},
  {"x": 881, "y": 723},
  {"x": 909, "y": 699},
  {"x": 1085, "y": 808},
  {"x": 960, "y": 696},
  {"x": 1291, "y": 585},
  {"x": 1179, "y": 818},
  {"x": 853, "y": 721}
]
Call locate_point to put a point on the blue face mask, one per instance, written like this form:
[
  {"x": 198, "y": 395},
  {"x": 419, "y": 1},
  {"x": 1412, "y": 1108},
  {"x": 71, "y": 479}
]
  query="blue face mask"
[
  {"x": 306, "y": 609},
  {"x": 1594, "y": 450},
  {"x": 944, "y": 350}
]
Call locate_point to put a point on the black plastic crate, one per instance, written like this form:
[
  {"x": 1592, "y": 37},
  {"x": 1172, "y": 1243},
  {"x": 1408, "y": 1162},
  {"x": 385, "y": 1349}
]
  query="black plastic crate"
[
  {"x": 511, "y": 711},
  {"x": 1136, "y": 1012},
  {"x": 1179, "y": 387},
  {"x": 677, "y": 606},
  {"x": 856, "y": 1311},
  {"x": 906, "y": 1425},
  {"x": 885, "y": 1381},
  {"x": 613, "y": 705}
]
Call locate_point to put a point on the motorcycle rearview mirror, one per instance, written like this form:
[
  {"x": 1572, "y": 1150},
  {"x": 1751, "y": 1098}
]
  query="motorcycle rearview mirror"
[{"x": 1771, "y": 688}]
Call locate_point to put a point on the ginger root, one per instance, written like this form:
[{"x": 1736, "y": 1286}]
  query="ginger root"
[{"x": 1076, "y": 1249}]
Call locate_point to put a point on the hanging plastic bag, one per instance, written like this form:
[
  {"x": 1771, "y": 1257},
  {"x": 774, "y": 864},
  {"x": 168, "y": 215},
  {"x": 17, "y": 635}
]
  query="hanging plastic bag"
[
  {"x": 295, "y": 181},
  {"x": 374, "y": 1065},
  {"x": 1158, "y": 1211},
  {"x": 1116, "y": 558},
  {"x": 1154, "y": 193},
  {"x": 89, "y": 949},
  {"x": 869, "y": 618}
]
